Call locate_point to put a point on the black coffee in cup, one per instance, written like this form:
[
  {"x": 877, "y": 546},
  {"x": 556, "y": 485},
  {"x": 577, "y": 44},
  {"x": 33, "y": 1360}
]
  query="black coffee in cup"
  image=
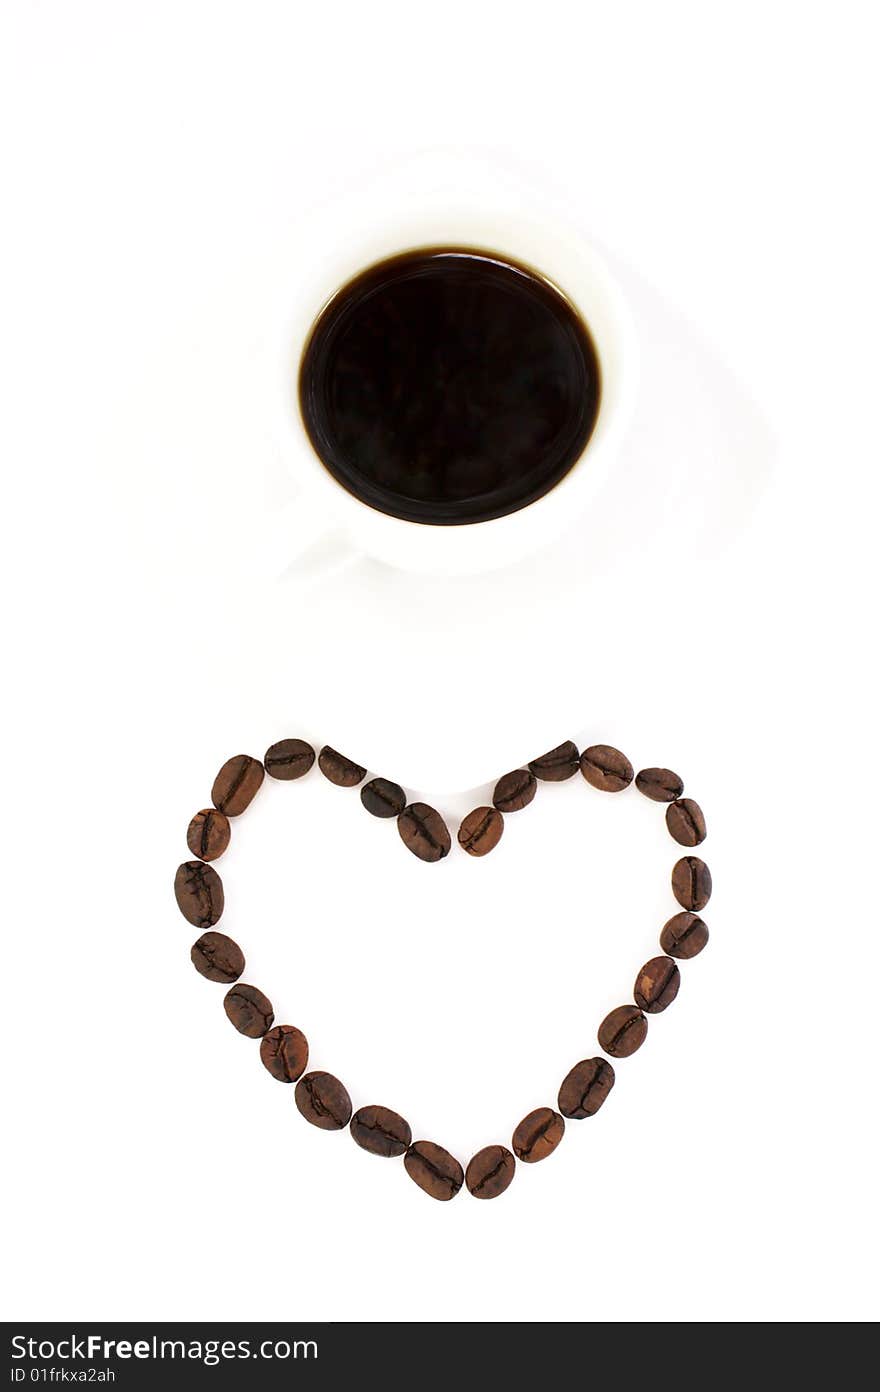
[{"x": 449, "y": 385}]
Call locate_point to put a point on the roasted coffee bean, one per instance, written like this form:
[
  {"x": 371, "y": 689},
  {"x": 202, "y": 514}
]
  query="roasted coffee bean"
[
  {"x": 433, "y": 1169},
  {"x": 208, "y": 834},
  {"x": 684, "y": 935},
  {"x": 585, "y": 1088},
  {"x": 424, "y": 832},
  {"x": 237, "y": 784},
  {"x": 514, "y": 791},
  {"x": 323, "y": 1101},
  {"x": 340, "y": 770},
  {"x": 217, "y": 957},
  {"x": 691, "y": 883},
  {"x": 490, "y": 1171},
  {"x": 380, "y": 1131},
  {"x": 660, "y": 785},
  {"x": 383, "y": 799},
  {"x": 249, "y": 1010},
  {"x": 657, "y": 985},
  {"x": 686, "y": 822},
  {"x": 538, "y": 1135},
  {"x": 623, "y": 1031},
  {"x": 288, "y": 759},
  {"x": 198, "y": 890},
  {"x": 481, "y": 831},
  {"x": 557, "y": 764},
  {"x": 284, "y": 1051},
  {"x": 606, "y": 768}
]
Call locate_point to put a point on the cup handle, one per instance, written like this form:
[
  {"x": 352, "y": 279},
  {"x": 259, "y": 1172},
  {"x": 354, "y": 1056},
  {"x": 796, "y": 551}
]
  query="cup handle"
[{"x": 302, "y": 545}]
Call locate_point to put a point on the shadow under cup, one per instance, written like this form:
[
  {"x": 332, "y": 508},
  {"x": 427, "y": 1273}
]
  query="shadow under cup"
[{"x": 449, "y": 386}]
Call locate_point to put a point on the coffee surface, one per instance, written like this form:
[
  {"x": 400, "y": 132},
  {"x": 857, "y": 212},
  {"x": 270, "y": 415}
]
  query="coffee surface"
[{"x": 449, "y": 386}]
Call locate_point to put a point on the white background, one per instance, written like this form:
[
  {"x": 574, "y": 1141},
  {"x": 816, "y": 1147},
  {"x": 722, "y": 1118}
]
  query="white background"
[{"x": 155, "y": 159}]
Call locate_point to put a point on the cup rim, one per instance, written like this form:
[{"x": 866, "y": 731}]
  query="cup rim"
[{"x": 553, "y": 250}]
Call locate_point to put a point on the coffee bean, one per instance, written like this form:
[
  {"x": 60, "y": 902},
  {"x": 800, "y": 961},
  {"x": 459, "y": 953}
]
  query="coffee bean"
[
  {"x": 623, "y": 1031},
  {"x": 323, "y": 1101},
  {"x": 606, "y": 768},
  {"x": 585, "y": 1088},
  {"x": 660, "y": 785},
  {"x": 383, "y": 799},
  {"x": 686, "y": 822},
  {"x": 691, "y": 883},
  {"x": 380, "y": 1131},
  {"x": 538, "y": 1135},
  {"x": 340, "y": 770},
  {"x": 198, "y": 890},
  {"x": 490, "y": 1172},
  {"x": 288, "y": 759},
  {"x": 557, "y": 764},
  {"x": 249, "y": 1010},
  {"x": 514, "y": 791},
  {"x": 433, "y": 1169},
  {"x": 424, "y": 832},
  {"x": 657, "y": 985},
  {"x": 236, "y": 784},
  {"x": 684, "y": 935},
  {"x": 208, "y": 834},
  {"x": 481, "y": 831},
  {"x": 217, "y": 957},
  {"x": 284, "y": 1051}
]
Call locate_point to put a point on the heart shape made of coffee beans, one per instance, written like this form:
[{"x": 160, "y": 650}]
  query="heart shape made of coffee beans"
[{"x": 320, "y": 1097}]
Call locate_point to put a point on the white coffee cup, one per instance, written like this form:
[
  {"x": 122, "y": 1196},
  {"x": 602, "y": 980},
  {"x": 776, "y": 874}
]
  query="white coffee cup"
[{"x": 326, "y": 526}]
